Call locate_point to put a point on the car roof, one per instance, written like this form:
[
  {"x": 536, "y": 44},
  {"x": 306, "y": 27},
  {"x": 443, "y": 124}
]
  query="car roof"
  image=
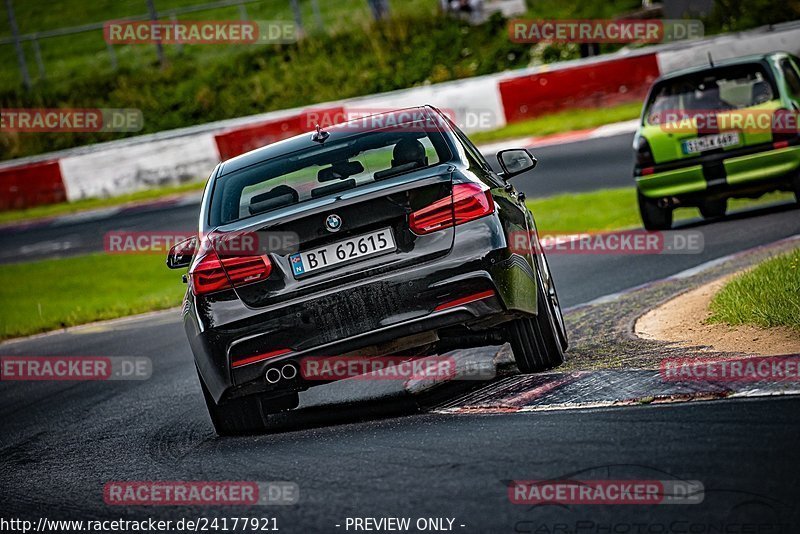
[
  {"x": 304, "y": 140},
  {"x": 741, "y": 60}
]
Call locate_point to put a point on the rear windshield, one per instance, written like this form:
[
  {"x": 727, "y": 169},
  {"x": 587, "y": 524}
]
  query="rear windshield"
[
  {"x": 720, "y": 89},
  {"x": 328, "y": 169}
]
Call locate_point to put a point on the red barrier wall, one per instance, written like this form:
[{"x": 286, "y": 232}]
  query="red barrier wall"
[
  {"x": 31, "y": 185},
  {"x": 247, "y": 138},
  {"x": 596, "y": 85}
]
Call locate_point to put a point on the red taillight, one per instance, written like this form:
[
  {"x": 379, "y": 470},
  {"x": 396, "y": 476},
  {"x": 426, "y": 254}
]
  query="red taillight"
[
  {"x": 210, "y": 274},
  {"x": 468, "y": 202},
  {"x": 259, "y": 357},
  {"x": 648, "y": 170},
  {"x": 784, "y": 127},
  {"x": 464, "y": 300}
]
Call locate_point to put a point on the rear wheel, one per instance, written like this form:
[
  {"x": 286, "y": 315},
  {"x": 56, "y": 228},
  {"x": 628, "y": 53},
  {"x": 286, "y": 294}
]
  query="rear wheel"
[
  {"x": 535, "y": 341},
  {"x": 796, "y": 187},
  {"x": 555, "y": 306},
  {"x": 245, "y": 415},
  {"x": 713, "y": 208},
  {"x": 654, "y": 217}
]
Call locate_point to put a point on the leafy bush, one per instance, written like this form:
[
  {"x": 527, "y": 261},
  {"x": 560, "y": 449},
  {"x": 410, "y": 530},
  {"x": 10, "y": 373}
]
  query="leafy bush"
[{"x": 406, "y": 52}]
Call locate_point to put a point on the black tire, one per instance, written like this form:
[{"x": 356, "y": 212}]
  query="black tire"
[
  {"x": 653, "y": 216},
  {"x": 717, "y": 207},
  {"x": 555, "y": 307},
  {"x": 245, "y": 415},
  {"x": 796, "y": 188},
  {"x": 535, "y": 341}
]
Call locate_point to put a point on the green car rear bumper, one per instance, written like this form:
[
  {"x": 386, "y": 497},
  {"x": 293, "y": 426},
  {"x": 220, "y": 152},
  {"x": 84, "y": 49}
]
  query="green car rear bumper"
[{"x": 743, "y": 171}]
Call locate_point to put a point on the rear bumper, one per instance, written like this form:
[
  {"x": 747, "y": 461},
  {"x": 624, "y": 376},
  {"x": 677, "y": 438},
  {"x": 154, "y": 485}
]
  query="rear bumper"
[
  {"x": 376, "y": 311},
  {"x": 746, "y": 171}
]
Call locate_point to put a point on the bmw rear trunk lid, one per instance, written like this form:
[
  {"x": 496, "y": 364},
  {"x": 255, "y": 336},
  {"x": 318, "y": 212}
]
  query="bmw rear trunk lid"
[{"x": 321, "y": 244}]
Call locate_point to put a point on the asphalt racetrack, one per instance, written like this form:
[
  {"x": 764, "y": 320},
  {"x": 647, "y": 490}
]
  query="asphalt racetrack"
[{"x": 368, "y": 449}]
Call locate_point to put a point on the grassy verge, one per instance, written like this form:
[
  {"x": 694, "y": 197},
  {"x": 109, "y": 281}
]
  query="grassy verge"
[
  {"x": 51, "y": 294},
  {"x": 559, "y": 122},
  {"x": 609, "y": 209},
  {"x": 64, "y": 208},
  {"x": 46, "y": 295},
  {"x": 565, "y": 121},
  {"x": 766, "y": 296}
]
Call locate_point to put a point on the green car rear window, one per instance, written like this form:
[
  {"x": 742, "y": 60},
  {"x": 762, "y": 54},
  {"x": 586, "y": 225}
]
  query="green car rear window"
[{"x": 718, "y": 89}]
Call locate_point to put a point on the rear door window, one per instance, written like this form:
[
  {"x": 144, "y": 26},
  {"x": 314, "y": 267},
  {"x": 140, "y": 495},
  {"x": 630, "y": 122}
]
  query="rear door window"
[{"x": 792, "y": 78}]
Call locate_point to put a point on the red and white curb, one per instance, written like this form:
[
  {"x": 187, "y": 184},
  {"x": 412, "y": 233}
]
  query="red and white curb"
[{"x": 598, "y": 389}]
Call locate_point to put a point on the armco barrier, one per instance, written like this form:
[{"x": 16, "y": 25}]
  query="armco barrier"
[
  {"x": 244, "y": 139},
  {"x": 31, "y": 185},
  {"x": 597, "y": 84},
  {"x": 138, "y": 166},
  {"x": 178, "y": 156}
]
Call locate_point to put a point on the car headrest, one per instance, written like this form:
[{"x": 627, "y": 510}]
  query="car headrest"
[
  {"x": 280, "y": 196},
  {"x": 408, "y": 151},
  {"x": 340, "y": 171},
  {"x": 394, "y": 171},
  {"x": 761, "y": 92},
  {"x": 333, "y": 188}
]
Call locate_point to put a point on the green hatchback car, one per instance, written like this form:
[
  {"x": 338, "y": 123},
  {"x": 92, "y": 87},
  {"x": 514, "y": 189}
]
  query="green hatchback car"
[{"x": 712, "y": 133}]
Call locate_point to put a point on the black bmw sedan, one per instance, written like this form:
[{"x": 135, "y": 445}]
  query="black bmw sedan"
[{"x": 389, "y": 235}]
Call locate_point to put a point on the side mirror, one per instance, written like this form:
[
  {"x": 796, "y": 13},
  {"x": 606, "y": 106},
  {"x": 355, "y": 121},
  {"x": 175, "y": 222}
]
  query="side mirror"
[
  {"x": 515, "y": 161},
  {"x": 180, "y": 255}
]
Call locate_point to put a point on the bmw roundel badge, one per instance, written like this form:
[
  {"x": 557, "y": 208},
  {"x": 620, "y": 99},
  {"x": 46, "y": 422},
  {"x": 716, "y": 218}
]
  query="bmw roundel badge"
[{"x": 333, "y": 223}]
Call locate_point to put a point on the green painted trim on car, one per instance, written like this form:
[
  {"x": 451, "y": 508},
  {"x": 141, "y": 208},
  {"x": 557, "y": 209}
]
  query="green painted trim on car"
[
  {"x": 763, "y": 165},
  {"x": 671, "y": 183}
]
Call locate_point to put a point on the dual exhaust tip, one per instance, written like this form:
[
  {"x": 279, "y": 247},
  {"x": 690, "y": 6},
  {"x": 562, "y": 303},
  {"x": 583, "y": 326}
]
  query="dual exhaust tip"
[{"x": 275, "y": 375}]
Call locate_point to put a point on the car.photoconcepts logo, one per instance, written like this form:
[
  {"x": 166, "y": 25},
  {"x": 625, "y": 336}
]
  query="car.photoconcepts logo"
[{"x": 333, "y": 223}]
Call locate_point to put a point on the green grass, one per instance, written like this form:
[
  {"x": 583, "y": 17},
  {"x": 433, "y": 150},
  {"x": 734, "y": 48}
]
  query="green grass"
[
  {"x": 565, "y": 121},
  {"x": 80, "y": 54},
  {"x": 351, "y": 57},
  {"x": 69, "y": 54},
  {"x": 766, "y": 296},
  {"x": 51, "y": 294},
  {"x": 609, "y": 209},
  {"x": 64, "y": 208}
]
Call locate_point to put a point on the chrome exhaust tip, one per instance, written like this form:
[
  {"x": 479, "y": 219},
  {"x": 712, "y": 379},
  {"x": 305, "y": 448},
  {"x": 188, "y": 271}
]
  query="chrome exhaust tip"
[
  {"x": 273, "y": 376},
  {"x": 289, "y": 371}
]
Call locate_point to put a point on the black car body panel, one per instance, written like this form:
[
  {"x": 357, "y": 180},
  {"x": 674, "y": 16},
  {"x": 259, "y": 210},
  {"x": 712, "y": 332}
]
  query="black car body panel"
[{"x": 412, "y": 297}]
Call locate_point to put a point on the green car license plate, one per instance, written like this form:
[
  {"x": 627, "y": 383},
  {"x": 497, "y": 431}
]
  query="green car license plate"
[{"x": 710, "y": 142}]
